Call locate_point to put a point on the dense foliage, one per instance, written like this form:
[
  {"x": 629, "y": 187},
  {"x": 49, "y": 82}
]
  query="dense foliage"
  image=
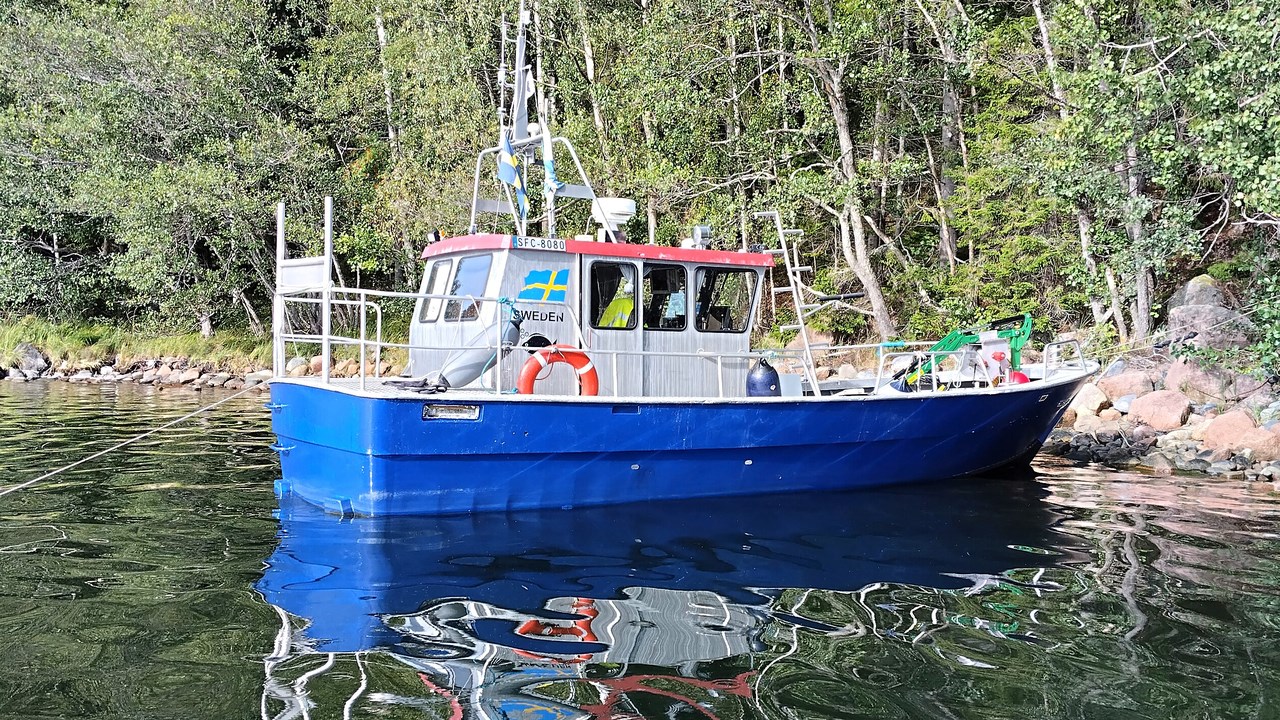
[{"x": 954, "y": 160}]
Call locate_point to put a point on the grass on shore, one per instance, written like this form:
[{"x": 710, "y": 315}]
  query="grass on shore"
[{"x": 89, "y": 346}]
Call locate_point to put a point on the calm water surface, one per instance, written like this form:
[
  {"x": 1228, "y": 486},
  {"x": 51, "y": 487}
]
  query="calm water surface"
[{"x": 167, "y": 581}]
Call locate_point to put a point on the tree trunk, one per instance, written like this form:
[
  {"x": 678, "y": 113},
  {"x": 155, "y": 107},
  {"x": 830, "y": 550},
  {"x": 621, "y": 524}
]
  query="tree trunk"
[
  {"x": 393, "y": 135},
  {"x": 1136, "y": 230},
  {"x": 945, "y": 185},
  {"x": 853, "y": 242},
  {"x": 853, "y": 235},
  {"x": 1083, "y": 222},
  {"x": 651, "y": 202},
  {"x": 1117, "y": 312},
  {"x": 589, "y": 63},
  {"x": 947, "y": 241},
  {"x": 404, "y": 266},
  {"x": 255, "y": 323}
]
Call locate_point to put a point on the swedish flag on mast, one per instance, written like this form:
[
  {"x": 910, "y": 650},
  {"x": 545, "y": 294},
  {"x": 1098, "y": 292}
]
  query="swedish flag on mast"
[{"x": 511, "y": 172}]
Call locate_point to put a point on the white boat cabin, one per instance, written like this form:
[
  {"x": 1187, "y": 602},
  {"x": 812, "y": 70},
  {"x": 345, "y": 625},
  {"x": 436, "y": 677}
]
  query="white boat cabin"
[{"x": 654, "y": 321}]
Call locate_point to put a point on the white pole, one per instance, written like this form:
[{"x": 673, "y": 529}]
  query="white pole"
[
  {"x": 277, "y": 301},
  {"x": 364, "y": 299},
  {"x": 326, "y": 320}
]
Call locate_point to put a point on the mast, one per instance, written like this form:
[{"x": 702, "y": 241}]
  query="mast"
[{"x": 517, "y": 148}]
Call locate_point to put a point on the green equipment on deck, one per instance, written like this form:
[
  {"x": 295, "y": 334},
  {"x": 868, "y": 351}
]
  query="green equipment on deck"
[{"x": 1015, "y": 328}]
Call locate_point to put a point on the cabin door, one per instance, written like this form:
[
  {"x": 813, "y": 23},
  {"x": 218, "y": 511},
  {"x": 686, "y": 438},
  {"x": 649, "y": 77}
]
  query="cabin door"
[
  {"x": 611, "y": 324},
  {"x": 669, "y": 340}
]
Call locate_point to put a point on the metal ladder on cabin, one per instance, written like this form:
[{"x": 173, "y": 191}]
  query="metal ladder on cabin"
[{"x": 795, "y": 288}]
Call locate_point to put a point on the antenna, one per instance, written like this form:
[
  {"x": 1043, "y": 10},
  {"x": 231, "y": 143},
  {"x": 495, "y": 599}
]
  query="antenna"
[{"x": 522, "y": 90}]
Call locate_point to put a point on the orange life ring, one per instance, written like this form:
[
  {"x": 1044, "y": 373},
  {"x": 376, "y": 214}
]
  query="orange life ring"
[
  {"x": 581, "y": 629},
  {"x": 588, "y": 381}
]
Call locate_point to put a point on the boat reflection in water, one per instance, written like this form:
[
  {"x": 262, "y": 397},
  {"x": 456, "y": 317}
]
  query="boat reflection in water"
[{"x": 602, "y": 612}]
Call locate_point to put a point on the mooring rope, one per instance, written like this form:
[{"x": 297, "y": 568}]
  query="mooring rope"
[{"x": 121, "y": 444}]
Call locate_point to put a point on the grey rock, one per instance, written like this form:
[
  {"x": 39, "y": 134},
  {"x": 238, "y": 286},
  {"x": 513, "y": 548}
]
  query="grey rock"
[
  {"x": 1199, "y": 290},
  {"x": 217, "y": 380},
  {"x": 1261, "y": 397},
  {"x": 1158, "y": 463},
  {"x": 296, "y": 363},
  {"x": 1141, "y": 433},
  {"x": 1212, "y": 326},
  {"x": 1195, "y": 465},
  {"x": 1079, "y": 455},
  {"x": 1115, "y": 368},
  {"x": 1115, "y": 456},
  {"x": 31, "y": 361},
  {"x": 1122, "y": 403}
]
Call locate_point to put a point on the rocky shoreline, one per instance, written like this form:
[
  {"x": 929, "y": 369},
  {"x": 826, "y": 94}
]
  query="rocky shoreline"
[
  {"x": 161, "y": 372},
  {"x": 33, "y": 364},
  {"x": 1185, "y": 411},
  {"x": 1177, "y": 421}
]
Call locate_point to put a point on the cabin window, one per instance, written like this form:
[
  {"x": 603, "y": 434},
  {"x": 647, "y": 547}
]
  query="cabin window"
[
  {"x": 470, "y": 280},
  {"x": 613, "y": 296},
  {"x": 664, "y": 297},
  {"x": 434, "y": 285},
  {"x": 724, "y": 300}
]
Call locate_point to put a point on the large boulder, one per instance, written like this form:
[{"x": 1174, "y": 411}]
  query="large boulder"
[
  {"x": 1163, "y": 410},
  {"x": 1199, "y": 290},
  {"x": 1199, "y": 316},
  {"x": 1089, "y": 400},
  {"x": 1210, "y": 326},
  {"x": 1234, "y": 431},
  {"x": 1225, "y": 430},
  {"x": 1213, "y": 384},
  {"x": 31, "y": 362},
  {"x": 1094, "y": 425},
  {"x": 1132, "y": 382}
]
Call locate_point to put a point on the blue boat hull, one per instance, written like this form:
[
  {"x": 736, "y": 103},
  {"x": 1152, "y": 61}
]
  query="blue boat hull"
[{"x": 355, "y": 454}]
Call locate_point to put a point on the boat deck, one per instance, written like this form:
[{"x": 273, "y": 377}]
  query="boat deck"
[{"x": 397, "y": 388}]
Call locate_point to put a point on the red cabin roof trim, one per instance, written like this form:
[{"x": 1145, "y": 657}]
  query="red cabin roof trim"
[{"x": 493, "y": 241}]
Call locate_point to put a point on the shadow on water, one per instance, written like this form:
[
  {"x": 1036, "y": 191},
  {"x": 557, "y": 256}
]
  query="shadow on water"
[{"x": 486, "y": 608}]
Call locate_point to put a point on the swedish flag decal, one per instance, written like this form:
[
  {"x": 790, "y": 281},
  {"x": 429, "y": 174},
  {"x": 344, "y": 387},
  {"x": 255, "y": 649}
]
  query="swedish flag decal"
[{"x": 545, "y": 286}]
